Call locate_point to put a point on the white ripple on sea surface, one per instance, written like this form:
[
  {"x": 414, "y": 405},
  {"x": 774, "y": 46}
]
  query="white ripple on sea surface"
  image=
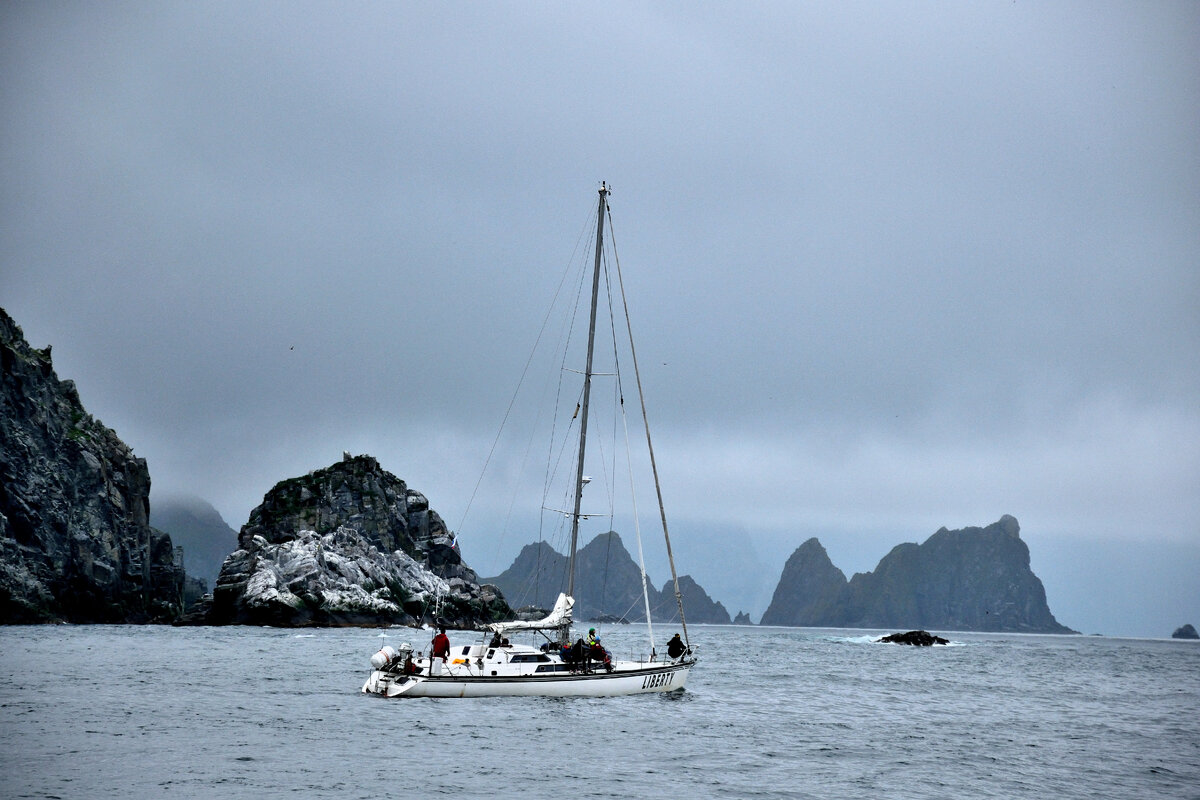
[{"x": 139, "y": 711}]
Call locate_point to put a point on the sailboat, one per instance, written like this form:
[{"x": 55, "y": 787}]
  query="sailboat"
[{"x": 564, "y": 665}]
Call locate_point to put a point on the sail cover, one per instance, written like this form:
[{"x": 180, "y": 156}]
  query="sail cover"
[{"x": 561, "y": 615}]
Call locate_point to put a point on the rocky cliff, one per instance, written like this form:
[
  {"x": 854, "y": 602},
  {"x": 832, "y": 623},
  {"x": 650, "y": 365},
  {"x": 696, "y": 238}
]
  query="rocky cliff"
[
  {"x": 970, "y": 579},
  {"x": 75, "y": 539},
  {"x": 608, "y": 584},
  {"x": 350, "y": 544}
]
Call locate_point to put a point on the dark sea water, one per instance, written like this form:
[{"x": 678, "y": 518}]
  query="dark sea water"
[{"x": 132, "y": 712}]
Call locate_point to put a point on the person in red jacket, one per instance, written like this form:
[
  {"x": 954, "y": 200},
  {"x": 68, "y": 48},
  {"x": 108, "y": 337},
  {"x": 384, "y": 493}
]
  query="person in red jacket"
[{"x": 441, "y": 645}]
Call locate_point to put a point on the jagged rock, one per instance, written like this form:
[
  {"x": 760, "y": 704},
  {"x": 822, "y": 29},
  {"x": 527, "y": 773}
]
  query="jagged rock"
[
  {"x": 742, "y": 618},
  {"x": 697, "y": 605},
  {"x": 808, "y": 590},
  {"x": 1185, "y": 632},
  {"x": 608, "y": 583},
  {"x": 915, "y": 638},
  {"x": 536, "y": 577},
  {"x": 75, "y": 540},
  {"x": 969, "y": 579},
  {"x": 350, "y": 544}
]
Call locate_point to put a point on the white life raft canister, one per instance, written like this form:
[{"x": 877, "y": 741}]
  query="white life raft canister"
[{"x": 383, "y": 657}]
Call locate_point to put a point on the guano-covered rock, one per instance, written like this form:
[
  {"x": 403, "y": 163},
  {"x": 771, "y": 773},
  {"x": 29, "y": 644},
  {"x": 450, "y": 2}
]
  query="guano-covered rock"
[{"x": 350, "y": 544}]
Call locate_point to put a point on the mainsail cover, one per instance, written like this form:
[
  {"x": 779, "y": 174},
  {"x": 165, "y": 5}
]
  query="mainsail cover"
[{"x": 561, "y": 615}]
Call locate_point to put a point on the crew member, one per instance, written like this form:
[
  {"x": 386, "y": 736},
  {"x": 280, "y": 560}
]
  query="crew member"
[
  {"x": 596, "y": 651},
  {"x": 676, "y": 647},
  {"x": 441, "y": 645}
]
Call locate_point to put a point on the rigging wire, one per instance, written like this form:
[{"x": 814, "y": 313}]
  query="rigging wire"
[
  {"x": 637, "y": 527},
  {"x": 520, "y": 381},
  {"x": 650, "y": 446}
]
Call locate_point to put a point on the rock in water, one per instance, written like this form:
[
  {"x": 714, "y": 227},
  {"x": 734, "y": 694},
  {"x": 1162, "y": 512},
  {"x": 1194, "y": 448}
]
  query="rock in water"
[
  {"x": 75, "y": 539},
  {"x": 915, "y": 638},
  {"x": 1185, "y": 632},
  {"x": 350, "y": 544}
]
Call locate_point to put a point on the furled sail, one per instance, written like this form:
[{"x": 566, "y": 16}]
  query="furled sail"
[{"x": 561, "y": 615}]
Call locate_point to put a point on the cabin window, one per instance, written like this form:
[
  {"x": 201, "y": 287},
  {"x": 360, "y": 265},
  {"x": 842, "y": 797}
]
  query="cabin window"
[
  {"x": 527, "y": 658},
  {"x": 467, "y": 650},
  {"x": 551, "y": 668}
]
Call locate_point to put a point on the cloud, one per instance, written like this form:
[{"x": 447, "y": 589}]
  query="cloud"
[{"x": 889, "y": 267}]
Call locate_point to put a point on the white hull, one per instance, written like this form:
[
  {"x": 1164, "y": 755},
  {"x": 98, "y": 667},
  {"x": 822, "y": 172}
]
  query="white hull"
[{"x": 497, "y": 677}]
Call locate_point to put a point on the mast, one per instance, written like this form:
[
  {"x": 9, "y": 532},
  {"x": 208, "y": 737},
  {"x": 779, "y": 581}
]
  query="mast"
[{"x": 587, "y": 390}]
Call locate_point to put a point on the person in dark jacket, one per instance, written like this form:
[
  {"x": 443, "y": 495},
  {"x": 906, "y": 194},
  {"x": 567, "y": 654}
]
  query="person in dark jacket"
[{"x": 676, "y": 647}]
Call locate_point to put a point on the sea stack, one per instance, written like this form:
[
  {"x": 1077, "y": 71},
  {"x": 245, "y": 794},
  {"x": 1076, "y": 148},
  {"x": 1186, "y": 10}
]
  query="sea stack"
[{"x": 974, "y": 579}]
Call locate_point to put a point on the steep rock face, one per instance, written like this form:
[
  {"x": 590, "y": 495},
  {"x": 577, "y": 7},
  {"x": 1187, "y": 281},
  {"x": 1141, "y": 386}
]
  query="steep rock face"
[
  {"x": 75, "y": 539},
  {"x": 534, "y": 579},
  {"x": 807, "y": 589},
  {"x": 608, "y": 583},
  {"x": 350, "y": 544},
  {"x": 697, "y": 605},
  {"x": 198, "y": 528},
  {"x": 970, "y": 579}
]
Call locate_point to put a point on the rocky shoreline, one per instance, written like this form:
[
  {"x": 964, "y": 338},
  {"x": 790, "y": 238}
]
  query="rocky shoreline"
[{"x": 352, "y": 544}]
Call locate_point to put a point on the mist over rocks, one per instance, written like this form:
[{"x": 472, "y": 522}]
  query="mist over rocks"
[
  {"x": 199, "y": 529},
  {"x": 350, "y": 544},
  {"x": 974, "y": 579},
  {"x": 76, "y": 543},
  {"x": 608, "y": 585}
]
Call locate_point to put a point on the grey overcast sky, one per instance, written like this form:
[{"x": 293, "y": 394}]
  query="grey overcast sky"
[{"x": 894, "y": 266}]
